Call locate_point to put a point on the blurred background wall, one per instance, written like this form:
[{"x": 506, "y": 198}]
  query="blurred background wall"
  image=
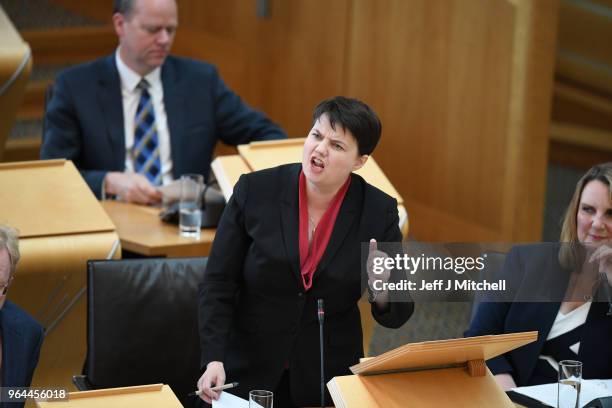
[{"x": 490, "y": 108}]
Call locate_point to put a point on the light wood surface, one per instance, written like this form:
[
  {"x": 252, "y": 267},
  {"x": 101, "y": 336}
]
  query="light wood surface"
[
  {"x": 49, "y": 198},
  {"x": 451, "y": 387},
  {"x": 141, "y": 231},
  {"x": 442, "y": 352},
  {"x": 151, "y": 396},
  {"x": 227, "y": 170},
  {"x": 411, "y": 375}
]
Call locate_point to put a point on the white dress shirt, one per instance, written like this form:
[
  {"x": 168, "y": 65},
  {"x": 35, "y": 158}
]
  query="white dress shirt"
[{"x": 131, "y": 96}]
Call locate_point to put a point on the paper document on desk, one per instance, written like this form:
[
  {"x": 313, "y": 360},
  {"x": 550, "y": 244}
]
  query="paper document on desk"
[
  {"x": 227, "y": 400},
  {"x": 547, "y": 393}
]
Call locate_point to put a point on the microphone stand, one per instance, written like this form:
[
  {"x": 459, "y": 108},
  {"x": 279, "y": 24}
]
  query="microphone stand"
[{"x": 321, "y": 316}]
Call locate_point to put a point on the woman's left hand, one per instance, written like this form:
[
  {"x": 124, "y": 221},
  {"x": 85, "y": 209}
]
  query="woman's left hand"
[
  {"x": 378, "y": 275},
  {"x": 603, "y": 257},
  {"x": 377, "y": 269}
]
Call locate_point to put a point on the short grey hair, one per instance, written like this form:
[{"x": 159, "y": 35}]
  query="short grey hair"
[
  {"x": 125, "y": 7},
  {"x": 9, "y": 239}
]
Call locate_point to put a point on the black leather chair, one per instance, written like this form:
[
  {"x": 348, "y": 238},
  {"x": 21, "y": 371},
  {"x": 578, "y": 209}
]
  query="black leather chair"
[{"x": 142, "y": 325}]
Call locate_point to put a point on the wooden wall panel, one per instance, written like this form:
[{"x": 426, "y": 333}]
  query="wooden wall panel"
[
  {"x": 99, "y": 10},
  {"x": 463, "y": 90},
  {"x": 585, "y": 52},
  {"x": 295, "y": 57}
]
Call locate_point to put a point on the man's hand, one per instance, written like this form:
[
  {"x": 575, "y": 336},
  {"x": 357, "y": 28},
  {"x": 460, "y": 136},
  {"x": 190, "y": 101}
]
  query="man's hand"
[
  {"x": 132, "y": 188},
  {"x": 214, "y": 376}
]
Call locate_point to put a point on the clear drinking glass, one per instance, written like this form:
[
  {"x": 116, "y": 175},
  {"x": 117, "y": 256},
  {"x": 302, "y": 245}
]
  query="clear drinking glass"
[
  {"x": 260, "y": 399},
  {"x": 190, "y": 206},
  {"x": 568, "y": 389}
]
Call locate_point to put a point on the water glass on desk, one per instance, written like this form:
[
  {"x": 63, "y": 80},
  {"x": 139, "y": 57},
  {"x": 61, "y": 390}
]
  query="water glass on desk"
[
  {"x": 190, "y": 206},
  {"x": 260, "y": 399},
  {"x": 570, "y": 379}
]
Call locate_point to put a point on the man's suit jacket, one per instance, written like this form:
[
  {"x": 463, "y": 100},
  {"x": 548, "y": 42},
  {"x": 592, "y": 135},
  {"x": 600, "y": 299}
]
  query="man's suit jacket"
[
  {"x": 22, "y": 337},
  {"x": 255, "y": 315},
  {"x": 534, "y": 263},
  {"x": 84, "y": 118}
]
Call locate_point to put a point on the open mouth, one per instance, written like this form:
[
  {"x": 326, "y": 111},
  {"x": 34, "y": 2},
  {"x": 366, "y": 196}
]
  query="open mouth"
[{"x": 317, "y": 163}]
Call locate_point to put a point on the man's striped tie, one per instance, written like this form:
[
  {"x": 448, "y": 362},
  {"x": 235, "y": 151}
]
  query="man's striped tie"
[{"x": 145, "y": 152}]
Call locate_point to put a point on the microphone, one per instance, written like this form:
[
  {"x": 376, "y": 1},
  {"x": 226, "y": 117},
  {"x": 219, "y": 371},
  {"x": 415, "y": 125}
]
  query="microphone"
[{"x": 321, "y": 316}]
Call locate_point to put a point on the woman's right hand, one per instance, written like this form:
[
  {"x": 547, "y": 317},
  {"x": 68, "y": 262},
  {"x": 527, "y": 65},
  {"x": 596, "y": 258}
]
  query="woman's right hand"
[
  {"x": 214, "y": 376},
  {"x": 505, "y": 381}
]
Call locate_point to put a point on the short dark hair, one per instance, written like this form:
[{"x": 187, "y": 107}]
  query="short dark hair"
[
  {"x": 352, "y": 115},
  {"x": 124, "y": 7}
]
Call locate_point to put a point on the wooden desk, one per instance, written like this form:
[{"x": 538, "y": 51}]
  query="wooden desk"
[
  {"x": 153, "y": 396},
  {"x": 141, "y": 231}
]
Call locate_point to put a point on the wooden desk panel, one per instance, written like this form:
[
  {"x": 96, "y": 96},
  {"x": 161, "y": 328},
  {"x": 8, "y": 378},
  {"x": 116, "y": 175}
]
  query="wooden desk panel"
[
  {"x": 152, "y": 396},
  {"x": 141, "y": 231},
  {"x": 49, "y": 198}
]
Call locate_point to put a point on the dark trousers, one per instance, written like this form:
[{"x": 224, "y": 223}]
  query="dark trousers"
[{"x": 282, "y": 393}]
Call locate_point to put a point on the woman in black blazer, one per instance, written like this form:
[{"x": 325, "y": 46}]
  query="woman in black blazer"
[
  {"x": 579, "y": 327},
  {"x": 289, "y": 236}
]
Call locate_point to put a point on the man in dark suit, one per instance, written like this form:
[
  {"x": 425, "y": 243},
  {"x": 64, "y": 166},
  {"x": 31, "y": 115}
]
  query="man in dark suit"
[
  {"x": 20, "y": 335},
  {"x": 140, "y": 117}
]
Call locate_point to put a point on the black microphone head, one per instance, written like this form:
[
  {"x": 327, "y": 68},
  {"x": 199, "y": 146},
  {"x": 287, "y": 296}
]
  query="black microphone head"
[{"x": 320, "y": 310}]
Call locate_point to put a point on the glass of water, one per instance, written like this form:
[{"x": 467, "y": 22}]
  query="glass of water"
[
  {"x": 570, "y": 378},
  {"x": 261, "y": 399},
  {"x": 190, "y": 206}
]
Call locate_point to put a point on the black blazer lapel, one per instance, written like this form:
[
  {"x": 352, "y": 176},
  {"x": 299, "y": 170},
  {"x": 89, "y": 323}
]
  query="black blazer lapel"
[
  {"x": 289, "y": 213},
  {"x": 344, "y": 221},
  {"x": 538, "y": 316},
  {"x": 111, "y": 106},
  {"x": 174, "y": 99}
]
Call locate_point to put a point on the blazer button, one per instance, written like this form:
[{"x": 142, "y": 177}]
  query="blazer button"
[{"x": 300, "y": 294}]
